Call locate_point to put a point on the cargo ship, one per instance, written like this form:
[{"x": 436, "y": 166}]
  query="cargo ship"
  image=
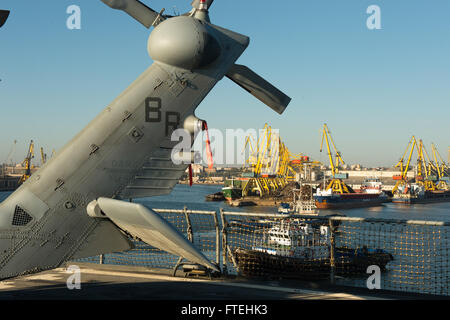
[
  {"x": 328, "y": 199},
  {"x": 336, "y": 194},
  {"x": 416, "y": 193}
]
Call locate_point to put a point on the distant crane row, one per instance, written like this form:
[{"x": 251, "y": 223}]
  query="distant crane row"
[
  {"x": 431, "y": 173},
  {"x": 26, "y": 164}
]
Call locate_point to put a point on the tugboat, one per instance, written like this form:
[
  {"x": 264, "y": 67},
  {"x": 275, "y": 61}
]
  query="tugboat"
[
  {"x": 233, "y": 191},
  {"x": 302, "y": 251}
]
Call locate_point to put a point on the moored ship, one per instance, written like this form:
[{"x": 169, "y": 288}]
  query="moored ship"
[
  {"x": 302, "y": 250},
  {"x": 431, "y": 179},
  {"x": 232, "y": 189},
  {"x": 327, "y": 199},
  {"x": 336, "y": 194},
  {"x": 416, "y": 193}
]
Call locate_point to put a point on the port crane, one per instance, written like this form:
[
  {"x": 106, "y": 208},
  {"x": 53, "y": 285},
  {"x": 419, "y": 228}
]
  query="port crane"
[
  {"x": 269, "y": 161},
  {"x": 424, "y": 168},
  {"x": 336, "y": 184},
  {"x": 442, "y": 180},
  {"x": 43, "y": 156},
  {"x": 403, "y": 177},
  {"x": 27, "y": 163}
]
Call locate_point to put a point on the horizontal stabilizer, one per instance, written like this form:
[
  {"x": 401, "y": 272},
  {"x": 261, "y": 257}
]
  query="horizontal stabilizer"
[
  {"x": 135, "y": 9},
  {"x": 3, "y": 16},
  {"x": 259, "y": 87},
  {"x": 147, "y": 225}
]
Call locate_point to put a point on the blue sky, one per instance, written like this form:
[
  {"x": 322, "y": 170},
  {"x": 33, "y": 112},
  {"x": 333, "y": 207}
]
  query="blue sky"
[{"x": 374, "y": 88}]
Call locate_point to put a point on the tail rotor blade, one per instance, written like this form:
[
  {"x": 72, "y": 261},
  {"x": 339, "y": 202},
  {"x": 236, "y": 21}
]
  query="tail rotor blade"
[
  {"x": 3, "y": 17},
  {"x": 136, "y": 9},
  {"x": 259, "y": 87}
]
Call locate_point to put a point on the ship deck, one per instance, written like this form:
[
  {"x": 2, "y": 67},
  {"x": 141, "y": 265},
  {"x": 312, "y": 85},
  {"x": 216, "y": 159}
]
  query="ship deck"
[{"x": 110, "y": 282}]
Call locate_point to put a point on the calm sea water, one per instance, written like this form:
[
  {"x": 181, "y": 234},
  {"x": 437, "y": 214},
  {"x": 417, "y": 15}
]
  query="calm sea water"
[{"x": 194, "y": 199}]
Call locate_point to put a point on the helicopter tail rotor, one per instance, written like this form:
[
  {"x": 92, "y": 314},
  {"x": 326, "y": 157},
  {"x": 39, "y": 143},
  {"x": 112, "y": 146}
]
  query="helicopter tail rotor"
[
  {"x": 241, "y": 75},
  {"x": 137, "y": 10}
]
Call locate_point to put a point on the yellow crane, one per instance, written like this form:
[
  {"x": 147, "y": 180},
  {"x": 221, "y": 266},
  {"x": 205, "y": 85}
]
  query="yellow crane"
[
  {"x": 269, "y": 162},
  {"x": 336, "y": 184},
  {"x": 43, "y": 156},
  {"x": 27, "y": 163},
  {"x": 403, "y": 177},
  {"x": 424, "y": 167},
  {"x": 441, "y": 181}
]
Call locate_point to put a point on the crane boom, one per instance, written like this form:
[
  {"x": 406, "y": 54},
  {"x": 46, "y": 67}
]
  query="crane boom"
[
  {"x": 336, "y": 184},
  {"x": 27, "y": 163},
  {"x": 404, "y": 169},
  {"x": 338, "y": 159},
  {"x": 43, "y": 156}
]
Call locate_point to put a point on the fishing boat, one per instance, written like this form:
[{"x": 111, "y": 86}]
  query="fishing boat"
[{"x": 302, "y": 251}]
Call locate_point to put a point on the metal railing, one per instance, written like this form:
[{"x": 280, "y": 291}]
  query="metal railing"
[{"x": 412, "y": 256}]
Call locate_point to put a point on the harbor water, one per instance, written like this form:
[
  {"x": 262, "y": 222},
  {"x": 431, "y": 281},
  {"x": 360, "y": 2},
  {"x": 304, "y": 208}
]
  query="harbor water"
[{"x": 193, "y": 197}]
